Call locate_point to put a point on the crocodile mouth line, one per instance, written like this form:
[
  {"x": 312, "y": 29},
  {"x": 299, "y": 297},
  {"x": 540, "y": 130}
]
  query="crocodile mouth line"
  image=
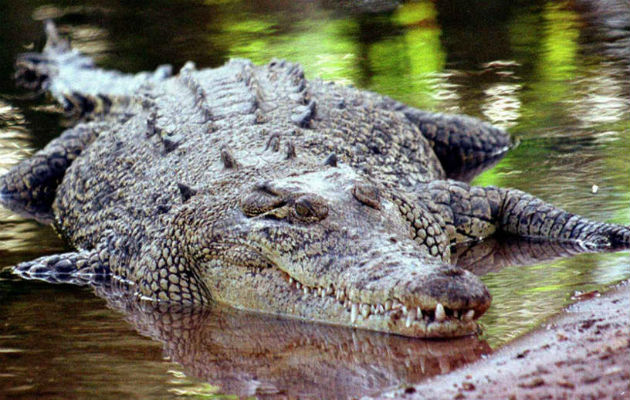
[{"x": 390, "y": 309}]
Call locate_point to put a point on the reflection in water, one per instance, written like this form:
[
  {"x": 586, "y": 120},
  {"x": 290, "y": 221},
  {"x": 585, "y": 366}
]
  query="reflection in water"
[
  {"x": 496, "y": 253},
  {"x": 15, "y": 145},
  {"x": 502, "y": 105},
  {"x": 22, "y": 239},
  {"x": 251, "y": 354},
  {"x": 90, "y": 40},
  {"x": 604, "y": 100},
  {"x": 58, "y": 342},
  {"x": 14, "y": 137},
  {"x": 605, "y": 29}
]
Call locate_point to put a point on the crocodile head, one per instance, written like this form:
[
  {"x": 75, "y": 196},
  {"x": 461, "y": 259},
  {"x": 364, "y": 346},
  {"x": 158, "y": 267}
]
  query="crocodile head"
[{"x": 326, "y": 245}]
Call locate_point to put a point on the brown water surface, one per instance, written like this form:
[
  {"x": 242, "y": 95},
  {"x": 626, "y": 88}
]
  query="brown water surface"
[{"x": 548, "y": 71}]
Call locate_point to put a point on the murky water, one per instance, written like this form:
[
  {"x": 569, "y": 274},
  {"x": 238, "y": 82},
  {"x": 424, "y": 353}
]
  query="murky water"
[{"x": 547, "y": 72}]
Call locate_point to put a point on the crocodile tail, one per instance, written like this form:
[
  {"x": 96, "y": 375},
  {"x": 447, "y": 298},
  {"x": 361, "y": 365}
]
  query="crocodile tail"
[
  {"x": 35, "y": 70},
  {"x": 82, "y": 268},
  {"x": 75, "y": 81},
  {"x": 54, "y": 42}
]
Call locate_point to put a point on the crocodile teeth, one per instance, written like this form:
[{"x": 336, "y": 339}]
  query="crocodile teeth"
[
  {"x": 365, "y": 310},
  {"x": 411, "y": 316},
  {"x": 440, "y": 314},
  {"x": 354, "y": 311}
]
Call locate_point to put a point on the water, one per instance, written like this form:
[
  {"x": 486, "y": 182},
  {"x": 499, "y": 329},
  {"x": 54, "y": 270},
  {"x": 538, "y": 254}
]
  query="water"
[{"x": 546, "y": 71}]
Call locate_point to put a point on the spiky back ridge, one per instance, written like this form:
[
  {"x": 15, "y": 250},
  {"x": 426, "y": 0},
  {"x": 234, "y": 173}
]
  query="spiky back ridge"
[{"x": 217, "y": 131}]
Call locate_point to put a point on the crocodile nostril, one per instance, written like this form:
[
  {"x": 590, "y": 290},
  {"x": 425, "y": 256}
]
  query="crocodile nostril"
[{"x": 393, "y": 240}]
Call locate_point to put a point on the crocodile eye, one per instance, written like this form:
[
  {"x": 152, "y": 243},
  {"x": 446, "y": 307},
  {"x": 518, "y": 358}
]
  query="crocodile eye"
[
  {"x": 310, "y": 209},
  {"x": 367, "y": 194},
  {"x": 261, "y": 200},
  {"x": 304, "y": 209}
]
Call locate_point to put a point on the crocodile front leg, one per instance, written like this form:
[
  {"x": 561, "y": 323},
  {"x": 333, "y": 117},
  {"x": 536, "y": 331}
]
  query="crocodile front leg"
[{"x": 473, "y": 212}]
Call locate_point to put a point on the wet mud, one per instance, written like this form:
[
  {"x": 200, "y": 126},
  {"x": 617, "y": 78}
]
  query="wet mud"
[{"x": 583, "y": 353}]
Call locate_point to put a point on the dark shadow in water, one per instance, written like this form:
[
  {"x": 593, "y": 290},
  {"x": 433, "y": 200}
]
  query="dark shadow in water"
[
  {"x": 351, "y": 7},
  {"x": 606, "y": 28},
  {"x": 469, "y": 29}
]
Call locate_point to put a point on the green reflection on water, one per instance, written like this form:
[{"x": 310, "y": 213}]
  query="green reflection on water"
[
  {"x": 405, "y": 65},
  {"x": 524, "y": 297},
  {"x": 546, "y": 42},
  {"x": 325, "y": 47},
  {"x": 397, "y": 54},
  {"x": 559, "y": 44}
]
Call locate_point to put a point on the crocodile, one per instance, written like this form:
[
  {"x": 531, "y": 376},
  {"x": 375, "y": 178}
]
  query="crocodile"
[{"x": 255, "y": 187}]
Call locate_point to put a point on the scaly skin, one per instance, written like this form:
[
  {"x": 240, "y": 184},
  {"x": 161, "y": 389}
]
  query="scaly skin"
[{"x": 257, "y": 188}]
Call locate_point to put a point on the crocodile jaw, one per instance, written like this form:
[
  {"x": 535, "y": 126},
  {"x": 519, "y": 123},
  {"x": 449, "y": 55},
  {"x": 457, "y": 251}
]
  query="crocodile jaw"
[
  {"x": 290, "y": 298},
  {"x": 421, "y": 308}
]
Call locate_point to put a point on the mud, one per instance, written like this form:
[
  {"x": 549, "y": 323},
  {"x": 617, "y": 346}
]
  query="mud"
[{"x": 583, "y": 353}]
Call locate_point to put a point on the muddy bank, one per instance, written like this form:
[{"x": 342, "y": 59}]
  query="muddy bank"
[{"x": 584, "y": 353}]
